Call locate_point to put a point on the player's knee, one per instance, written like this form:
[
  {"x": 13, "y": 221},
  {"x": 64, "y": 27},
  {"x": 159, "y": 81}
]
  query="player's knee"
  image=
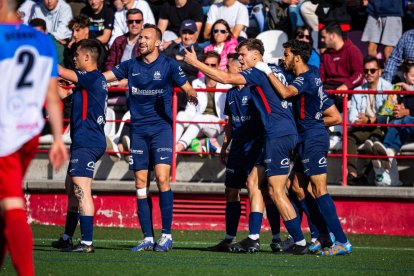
[{"x": 10, "y": 203}]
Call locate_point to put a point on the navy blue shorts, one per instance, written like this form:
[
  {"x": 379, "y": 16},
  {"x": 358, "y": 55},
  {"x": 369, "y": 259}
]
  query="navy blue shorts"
[
  {"x": 238, "y": 168},
  {"x": 277, "y": 154},
  {"x": 150, "y": 147},
  {"x": 311, "y": 154},
  {"x": 82, "y": 161}
]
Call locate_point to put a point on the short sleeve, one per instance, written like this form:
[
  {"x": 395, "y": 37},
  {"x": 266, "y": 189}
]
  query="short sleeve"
[
  {"x": 226, "y": 105},
  {"x": 251, "y": 76},
  {"x": 82, "y": 80},
  {"x": 178, "y": 74},
  {"x": 300, "y": 84},
  {"x": 121, "y": 70}
]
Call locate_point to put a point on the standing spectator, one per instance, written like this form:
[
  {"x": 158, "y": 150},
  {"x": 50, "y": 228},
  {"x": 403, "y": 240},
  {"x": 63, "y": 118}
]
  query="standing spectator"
[
  {"x": 303, "y": 33},
  {"x": 384, "y": 25},
  {"x": 307, "y": 10},
  {"x": 25, "y": 11},
  {"x": 341, "y": 64},
  {"x": 57, "y": 14},
  {"x": 366, "y": 109},
  {"x": 174, "y": 13},
  {"x": 403, "y": 51},
  {"x": 120, "y": 25},
  {"x": 233, "y": 12},
  {"x": 188, "y": 37},
  {"x": 222, "y": 41},
  {"x": 101, "y": 19}
]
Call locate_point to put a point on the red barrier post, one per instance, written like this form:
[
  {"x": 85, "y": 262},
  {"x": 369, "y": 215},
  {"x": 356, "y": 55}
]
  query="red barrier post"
[
  {"x": 344, "y": 140},
  {"x": 174, "y": 156}
]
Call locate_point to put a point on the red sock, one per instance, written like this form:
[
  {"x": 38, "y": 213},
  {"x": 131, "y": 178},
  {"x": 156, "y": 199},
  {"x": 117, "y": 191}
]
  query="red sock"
[
  {"x": 19, "y": 241},
  {"x": 3, "y": 244}
]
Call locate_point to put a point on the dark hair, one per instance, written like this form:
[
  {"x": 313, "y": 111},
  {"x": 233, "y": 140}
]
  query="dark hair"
[
  {"x": 38, "y": 22},
  {"x": 211, "y": 54},
  {"x": 158, "y": 32},
  {"x": 301, "y": 30},
  {"x": 233, "y": 56},
  {"x": 229, "y": 33},
  {"x": 299, "y": 48},
  {"x": 81, "y": 20},
  {"x": 407, "y": 65},
  {"x": 333, "y": 28},
  {"x": 369, "y": 58},
  {"x": 252, "y": 44},
  {"x": 134, "y": 11},
  {"x": 92, "y": 46}
]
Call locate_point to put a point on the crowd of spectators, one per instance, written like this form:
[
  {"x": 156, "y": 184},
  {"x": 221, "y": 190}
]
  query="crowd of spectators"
[{"x": 214, "y": 28}]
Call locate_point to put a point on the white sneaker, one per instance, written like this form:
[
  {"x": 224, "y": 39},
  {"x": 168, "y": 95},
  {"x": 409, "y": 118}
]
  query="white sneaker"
[
  {"x": 335, "y": 143},
  {"x": 114, "y": 155},
  {"x": 380, "y": 149}
]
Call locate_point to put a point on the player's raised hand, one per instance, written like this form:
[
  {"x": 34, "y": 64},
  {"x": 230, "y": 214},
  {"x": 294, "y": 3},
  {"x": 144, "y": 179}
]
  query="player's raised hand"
[
  {"x": 58, "y": 154},
  {"x": 190, "y": 57},
  {"x": 262, "y": 66}
]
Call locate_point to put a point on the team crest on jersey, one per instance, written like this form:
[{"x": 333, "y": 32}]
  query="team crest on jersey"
[
  {"x": 100, "y": 120},
  {"x": 157, "y": 75},
  {"x": 318, "y": 116},
  {"x": 104, "y": 85},
  {"x": 245, "y": 100},
  {"x": 284, "y": 104},
  {"x": 318, "y": 81}
]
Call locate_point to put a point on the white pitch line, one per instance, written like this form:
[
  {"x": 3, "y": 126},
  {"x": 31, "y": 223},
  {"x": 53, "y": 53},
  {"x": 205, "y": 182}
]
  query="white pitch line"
[{"x": 209, "y": 243}]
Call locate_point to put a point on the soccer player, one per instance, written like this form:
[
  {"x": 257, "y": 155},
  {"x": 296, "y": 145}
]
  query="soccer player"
[
  {"x": 87, "y": 121},
  {"x": 28, "y": 63},
  {"x": 150, "y": 81},
  {"x": 280, "y": 134},
  {"x": 313, "y": 146}
]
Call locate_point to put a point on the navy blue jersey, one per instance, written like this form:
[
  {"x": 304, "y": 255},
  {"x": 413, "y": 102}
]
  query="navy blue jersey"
[
  {"x": 310, "y": 102},
  {"x": 276, "y": 113},
  {"x": 150, "y": 88},
  {"x": 89, "y": 100},
  {"x": 246, "y": 124}
]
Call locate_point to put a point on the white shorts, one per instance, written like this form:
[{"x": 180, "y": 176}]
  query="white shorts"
[{"x": 383, "y": 30}]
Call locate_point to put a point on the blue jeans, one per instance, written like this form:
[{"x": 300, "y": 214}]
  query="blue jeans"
[{"x": 396, "y": 137}]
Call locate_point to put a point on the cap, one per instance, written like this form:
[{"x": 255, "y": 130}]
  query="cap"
[{"x": 189, "y": 25}]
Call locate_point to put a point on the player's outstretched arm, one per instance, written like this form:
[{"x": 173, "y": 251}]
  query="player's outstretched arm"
[
  {"x": 58, "y": 153},
  {"x": 109, "y": 76},
  {"x": 67, "y": 74},
  {"x": 191, "y": 93},
  {"x": 331, "y": 116},
  {"x": 281, "y": 89},
  {"x": 215, "y": 74}
]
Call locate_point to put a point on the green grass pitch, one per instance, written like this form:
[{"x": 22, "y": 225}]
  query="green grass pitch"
[{"x": 373, "y": 255}]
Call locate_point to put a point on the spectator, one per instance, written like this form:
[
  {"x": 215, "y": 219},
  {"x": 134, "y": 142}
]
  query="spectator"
[
  {"x": 174, "y": 13},
  {"x": 403, "y": 113},
  {"x": 384, "y": 25},
  {"x": 341, "y": 64},
  {"x": 156, "y": 7},
  {"x": 101, "y": 20},
  {"x": 308, "y": 12},
  {"x": 25, "y": 11},
  {"x": 366, "y": 109},
  {"x": 222, "y": 41},
  {"x": 303, "y": 33},
  {"x": 76, "y": 6},
  {"x": 188, "y": 37},
  {"x": 233, "y": 12},
  {"x": 120, "y": 25},
  {"x": 57, "y": 14},
  {"x": 210, "y": 109},
  {"x": 403, "y": 51}
]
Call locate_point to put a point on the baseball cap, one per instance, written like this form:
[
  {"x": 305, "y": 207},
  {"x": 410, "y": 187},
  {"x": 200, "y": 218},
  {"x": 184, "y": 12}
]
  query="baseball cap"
[{"x": 189, "y": 25}]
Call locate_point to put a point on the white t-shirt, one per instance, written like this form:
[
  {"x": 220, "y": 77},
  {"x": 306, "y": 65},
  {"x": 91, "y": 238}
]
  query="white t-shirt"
[{"x": 234, "y": 15}]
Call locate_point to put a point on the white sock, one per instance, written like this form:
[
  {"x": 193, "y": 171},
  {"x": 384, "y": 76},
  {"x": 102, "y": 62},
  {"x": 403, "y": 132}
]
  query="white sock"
[
  {"x": 313, "y": 240},
  {"x": 254, "y": 236},
  {"x": 87, "y": 242},
  {"x": 166, "y": 236},
  {"x": 150, "y": 239},
  {"x": 301, "y": 243},
  {"x": 66, "y": 237},
  {"x": 228, "y": 237}
]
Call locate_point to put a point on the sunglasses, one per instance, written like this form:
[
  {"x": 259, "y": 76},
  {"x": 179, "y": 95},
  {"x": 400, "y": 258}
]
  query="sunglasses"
[
  {"x": 301, "y": 36},
  {"x": 211, "y": 64},
  {"x": 215, "y": 31},
  {"x": 132, "y": 21},
  {"x": 187, "y": 32},
  {"x": 372, "y": 70}
]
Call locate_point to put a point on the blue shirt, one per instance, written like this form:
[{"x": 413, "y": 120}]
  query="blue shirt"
[
  {"x": 246, "y": 126},
  {"x": 89, "y": 101},
  {"x": 150, "y": 88},
  {"x": 310, "y": 102},
  {"x": 276, "y": 113}
]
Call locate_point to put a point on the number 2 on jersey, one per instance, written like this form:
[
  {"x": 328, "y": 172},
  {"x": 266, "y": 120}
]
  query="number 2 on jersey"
[{"x": 26, "y": 59}]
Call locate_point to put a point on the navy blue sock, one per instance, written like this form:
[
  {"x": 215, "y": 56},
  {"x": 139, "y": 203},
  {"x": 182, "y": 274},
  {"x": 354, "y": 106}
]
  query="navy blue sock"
[
  {"x": 317, "y": 217},
  {"x": 328, "y": 210},
  {"x": 71, "y": 223},
  {"x": 295, "y": 203},
  {"x": 144, "y": 217},
  {"x": 273, "y": 217},
  {"x": 293, "y": 227},
  {"x": 312, "y": 227},
  {"x": 166, "y": 206},
  {"x": 255, "y": 223},
  {"x": 233, "y": 212},
  {"x": 86, "y": 226}
]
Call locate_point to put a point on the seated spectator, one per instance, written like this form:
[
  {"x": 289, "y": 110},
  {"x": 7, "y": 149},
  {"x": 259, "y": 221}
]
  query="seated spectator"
[
  {"x": 384, "y": 26},
  {"x": 188, "y": 37},
  {"x": 303, "y": 33},
  {"x": 403, "y": 113},
  {"x": 120, "y": 24},
  {"x": 341, "y": 63},
  {"x": 233, "y": 12},
  {"x": 366, "y": 109},
  {"x": 210, "y": 108},
  {"x": 76, "y": 6},
  {"x": 222, "y": 41},
  {"x": 403, "y": 51},
  {"x": 173, "y": 13},
  {"x": 57, "y": 14},
  {"x": 101, "y": 19}
]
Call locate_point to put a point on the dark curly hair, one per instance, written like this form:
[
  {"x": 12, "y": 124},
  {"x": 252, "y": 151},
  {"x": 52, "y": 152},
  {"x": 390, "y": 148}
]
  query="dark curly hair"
[{"x": 299, "y": 48}]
